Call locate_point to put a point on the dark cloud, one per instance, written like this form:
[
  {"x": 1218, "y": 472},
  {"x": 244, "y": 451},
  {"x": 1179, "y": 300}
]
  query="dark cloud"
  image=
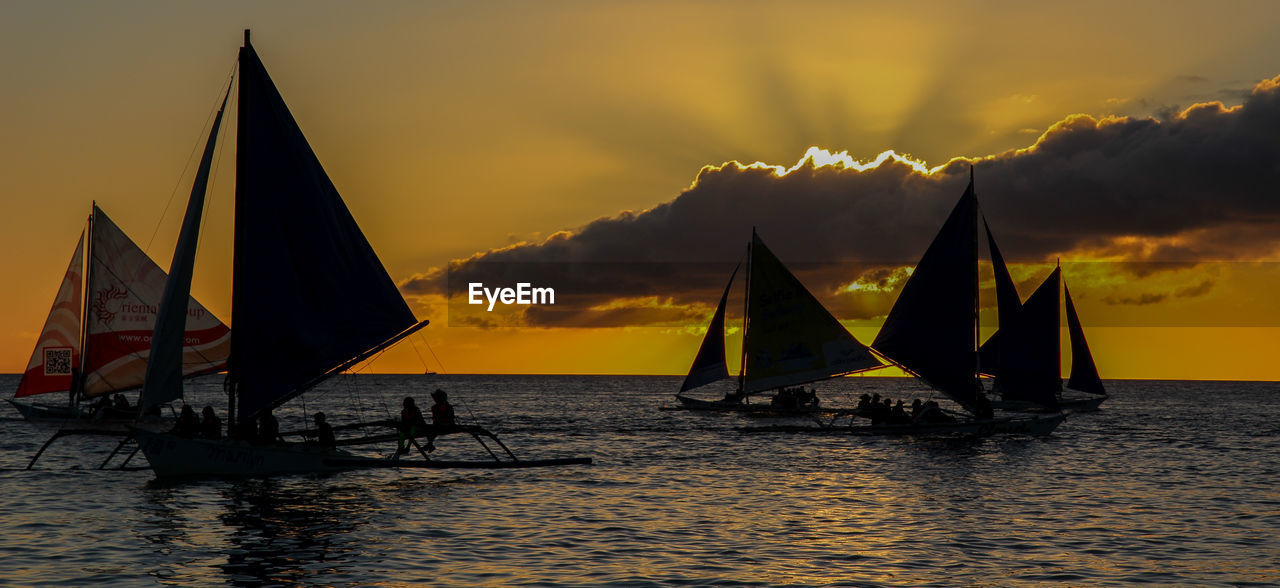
[
  {"x": 1140, "y": 300},
  {"x": 1200, "y": 183}
]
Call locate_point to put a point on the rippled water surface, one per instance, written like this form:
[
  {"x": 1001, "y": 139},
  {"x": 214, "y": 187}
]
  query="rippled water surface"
[{"x": 1171, "y": 483}]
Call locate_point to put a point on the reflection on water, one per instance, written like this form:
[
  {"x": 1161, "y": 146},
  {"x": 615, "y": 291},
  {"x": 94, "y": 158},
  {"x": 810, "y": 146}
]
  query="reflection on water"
[
  {"x": 1160, "y": 487},
  {"x": 289, "y": 530}
]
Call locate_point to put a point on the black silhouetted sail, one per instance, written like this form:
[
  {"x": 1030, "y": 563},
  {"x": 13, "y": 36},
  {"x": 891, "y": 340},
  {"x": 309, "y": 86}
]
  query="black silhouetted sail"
[
  {"x": 709, "y": 365},
  {"x": 790, "y": 338},
  {"x": 163, "y": 377},
  {"x": 1030, "y": 364},
  {"x": 1084, "y": 373},
  {"x": 1007, "y": 305},
  {"x": 932, "y": 328},
  {"x": 309, "y": 295}
]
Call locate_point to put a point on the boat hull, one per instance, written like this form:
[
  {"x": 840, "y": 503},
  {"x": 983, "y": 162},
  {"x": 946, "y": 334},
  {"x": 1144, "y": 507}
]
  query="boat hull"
[
  {"x": 763, "y": 409},
  {"x": 45, "y": 413},
  {"x": 172, "y": 456},
  {"x": 1034, "y": 425}
]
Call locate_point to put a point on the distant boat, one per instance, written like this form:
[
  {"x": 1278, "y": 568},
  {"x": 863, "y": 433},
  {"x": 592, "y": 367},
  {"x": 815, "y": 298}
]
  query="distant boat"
[
  {"x": 932, "y": 330},
  {"x": 96, "y": 340},
  {"x": 789, "y": 339},
  {"x": 310, "y": 299},
  {"x": 1024, "y": 355}
]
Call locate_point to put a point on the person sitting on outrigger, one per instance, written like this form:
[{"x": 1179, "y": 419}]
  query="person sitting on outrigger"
[
  {"x": 443, "y": 419},
  {"x": 324, "y": 432},
  {"x": 410, "y": 424}
]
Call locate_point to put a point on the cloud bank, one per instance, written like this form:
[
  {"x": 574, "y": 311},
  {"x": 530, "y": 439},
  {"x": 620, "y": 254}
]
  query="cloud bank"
[{"x": 1201, "y": 184}]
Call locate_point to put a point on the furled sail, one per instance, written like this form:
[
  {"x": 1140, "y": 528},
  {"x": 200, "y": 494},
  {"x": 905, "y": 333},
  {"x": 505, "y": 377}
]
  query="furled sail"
[
  {"x": 308, "y": 293},
  {"x": 709, "y": 365},
  {"x": 790, "y": 337},
  {"x": 124, "y": 289},
  {"x": 1084, "y": 373},
  {"x": 932, "y": 328},
  {"x": 163, "y": 381},
  {"x": 1030, "y": 364},
  {"x": 57, "y": 353}
]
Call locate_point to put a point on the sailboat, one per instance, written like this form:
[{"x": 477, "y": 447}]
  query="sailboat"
[
  {"x": 310, "y": 299},
  {"x": 932, "y": 331},
  {"x": 788, "y": 339},
  {"x": 96, "y": 340},
  {"x": 1024, "y": 355}
]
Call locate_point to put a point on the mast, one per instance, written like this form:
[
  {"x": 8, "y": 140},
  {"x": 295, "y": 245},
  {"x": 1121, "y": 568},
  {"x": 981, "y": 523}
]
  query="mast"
[
  {"x": 78, "y": 375},
  {"x": 977, "y": 336}
]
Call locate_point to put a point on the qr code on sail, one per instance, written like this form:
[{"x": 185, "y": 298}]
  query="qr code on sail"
[{"x": 57, "y": 361}]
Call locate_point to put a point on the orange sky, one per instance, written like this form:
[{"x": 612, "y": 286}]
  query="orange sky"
[{"x": 452, "y": 129}]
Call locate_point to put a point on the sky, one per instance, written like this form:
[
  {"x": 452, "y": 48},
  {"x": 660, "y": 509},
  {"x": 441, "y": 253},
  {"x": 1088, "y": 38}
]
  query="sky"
[{"x": 1133, "y": 142}]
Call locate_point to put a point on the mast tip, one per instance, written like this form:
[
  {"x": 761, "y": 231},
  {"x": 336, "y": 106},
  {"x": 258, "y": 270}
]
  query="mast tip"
[{"x": 246, "y": 36}]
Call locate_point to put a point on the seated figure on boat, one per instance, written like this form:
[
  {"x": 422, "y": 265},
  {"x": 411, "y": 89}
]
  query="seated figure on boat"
[
  {"x": 268, "y": 429},
  {"x": 409, "y": 425},
  {"x": 734, "y": 396},
  {"x": 119, "y": 402},
  {"x": 210, "y": 424},
  {"x": 931, "y": 413},
  {"x": 324, "y": 432},
  {"x": 187, "y": 425},
  {"x": 898, "y": 414},
  {"x": 99, "y": 408},
  {"x": 982, "y": 406},
  {"x": 443, "y": 419}
]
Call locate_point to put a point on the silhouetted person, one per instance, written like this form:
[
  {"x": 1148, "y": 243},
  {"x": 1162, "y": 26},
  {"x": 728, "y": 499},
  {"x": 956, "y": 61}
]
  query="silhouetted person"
[
  {"x": 268, "y": 428},
  {"x": 898, "y": 415},
  {"x": 210, "y": 424},
  {"x": 442, "y": 418},
  {"x": 324, "y": 433},
  {"x": 982, "y": 407},
  {"x": 121, "y": 403},
  {"x": 411, "y": 423},
  {"x": 187, "y": 425}
]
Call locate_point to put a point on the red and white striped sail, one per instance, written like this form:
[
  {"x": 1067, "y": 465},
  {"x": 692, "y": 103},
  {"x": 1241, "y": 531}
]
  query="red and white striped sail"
[
  {"x": 58, "y": 348},
  {"x": 124, "y": 292}
]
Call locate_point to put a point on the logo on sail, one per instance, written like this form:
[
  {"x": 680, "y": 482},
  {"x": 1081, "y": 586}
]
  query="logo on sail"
[{"x": 103, "y": 297}]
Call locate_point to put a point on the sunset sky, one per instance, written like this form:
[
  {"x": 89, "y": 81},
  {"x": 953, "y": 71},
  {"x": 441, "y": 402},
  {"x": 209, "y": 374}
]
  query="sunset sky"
[{"x": 1136, "y": 142}]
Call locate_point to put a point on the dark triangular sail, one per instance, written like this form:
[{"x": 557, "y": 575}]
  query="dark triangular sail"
[
  {"x": 709, "y": 365},
  {"x": 932, "y": 328},
  {"x": 989, "y": 355},
  {"x": 309, "y": 293},
  {"x": 1030, "y": 357},
  {"x": 1084, "y": 374},
  {"x": 163, "y": 378},
  {"x": 1007, "y": 305},
  {"x": 790, "y": 337}
]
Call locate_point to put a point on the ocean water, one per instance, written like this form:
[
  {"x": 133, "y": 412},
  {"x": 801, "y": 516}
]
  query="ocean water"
[{"x": 1172, "y": 483}]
